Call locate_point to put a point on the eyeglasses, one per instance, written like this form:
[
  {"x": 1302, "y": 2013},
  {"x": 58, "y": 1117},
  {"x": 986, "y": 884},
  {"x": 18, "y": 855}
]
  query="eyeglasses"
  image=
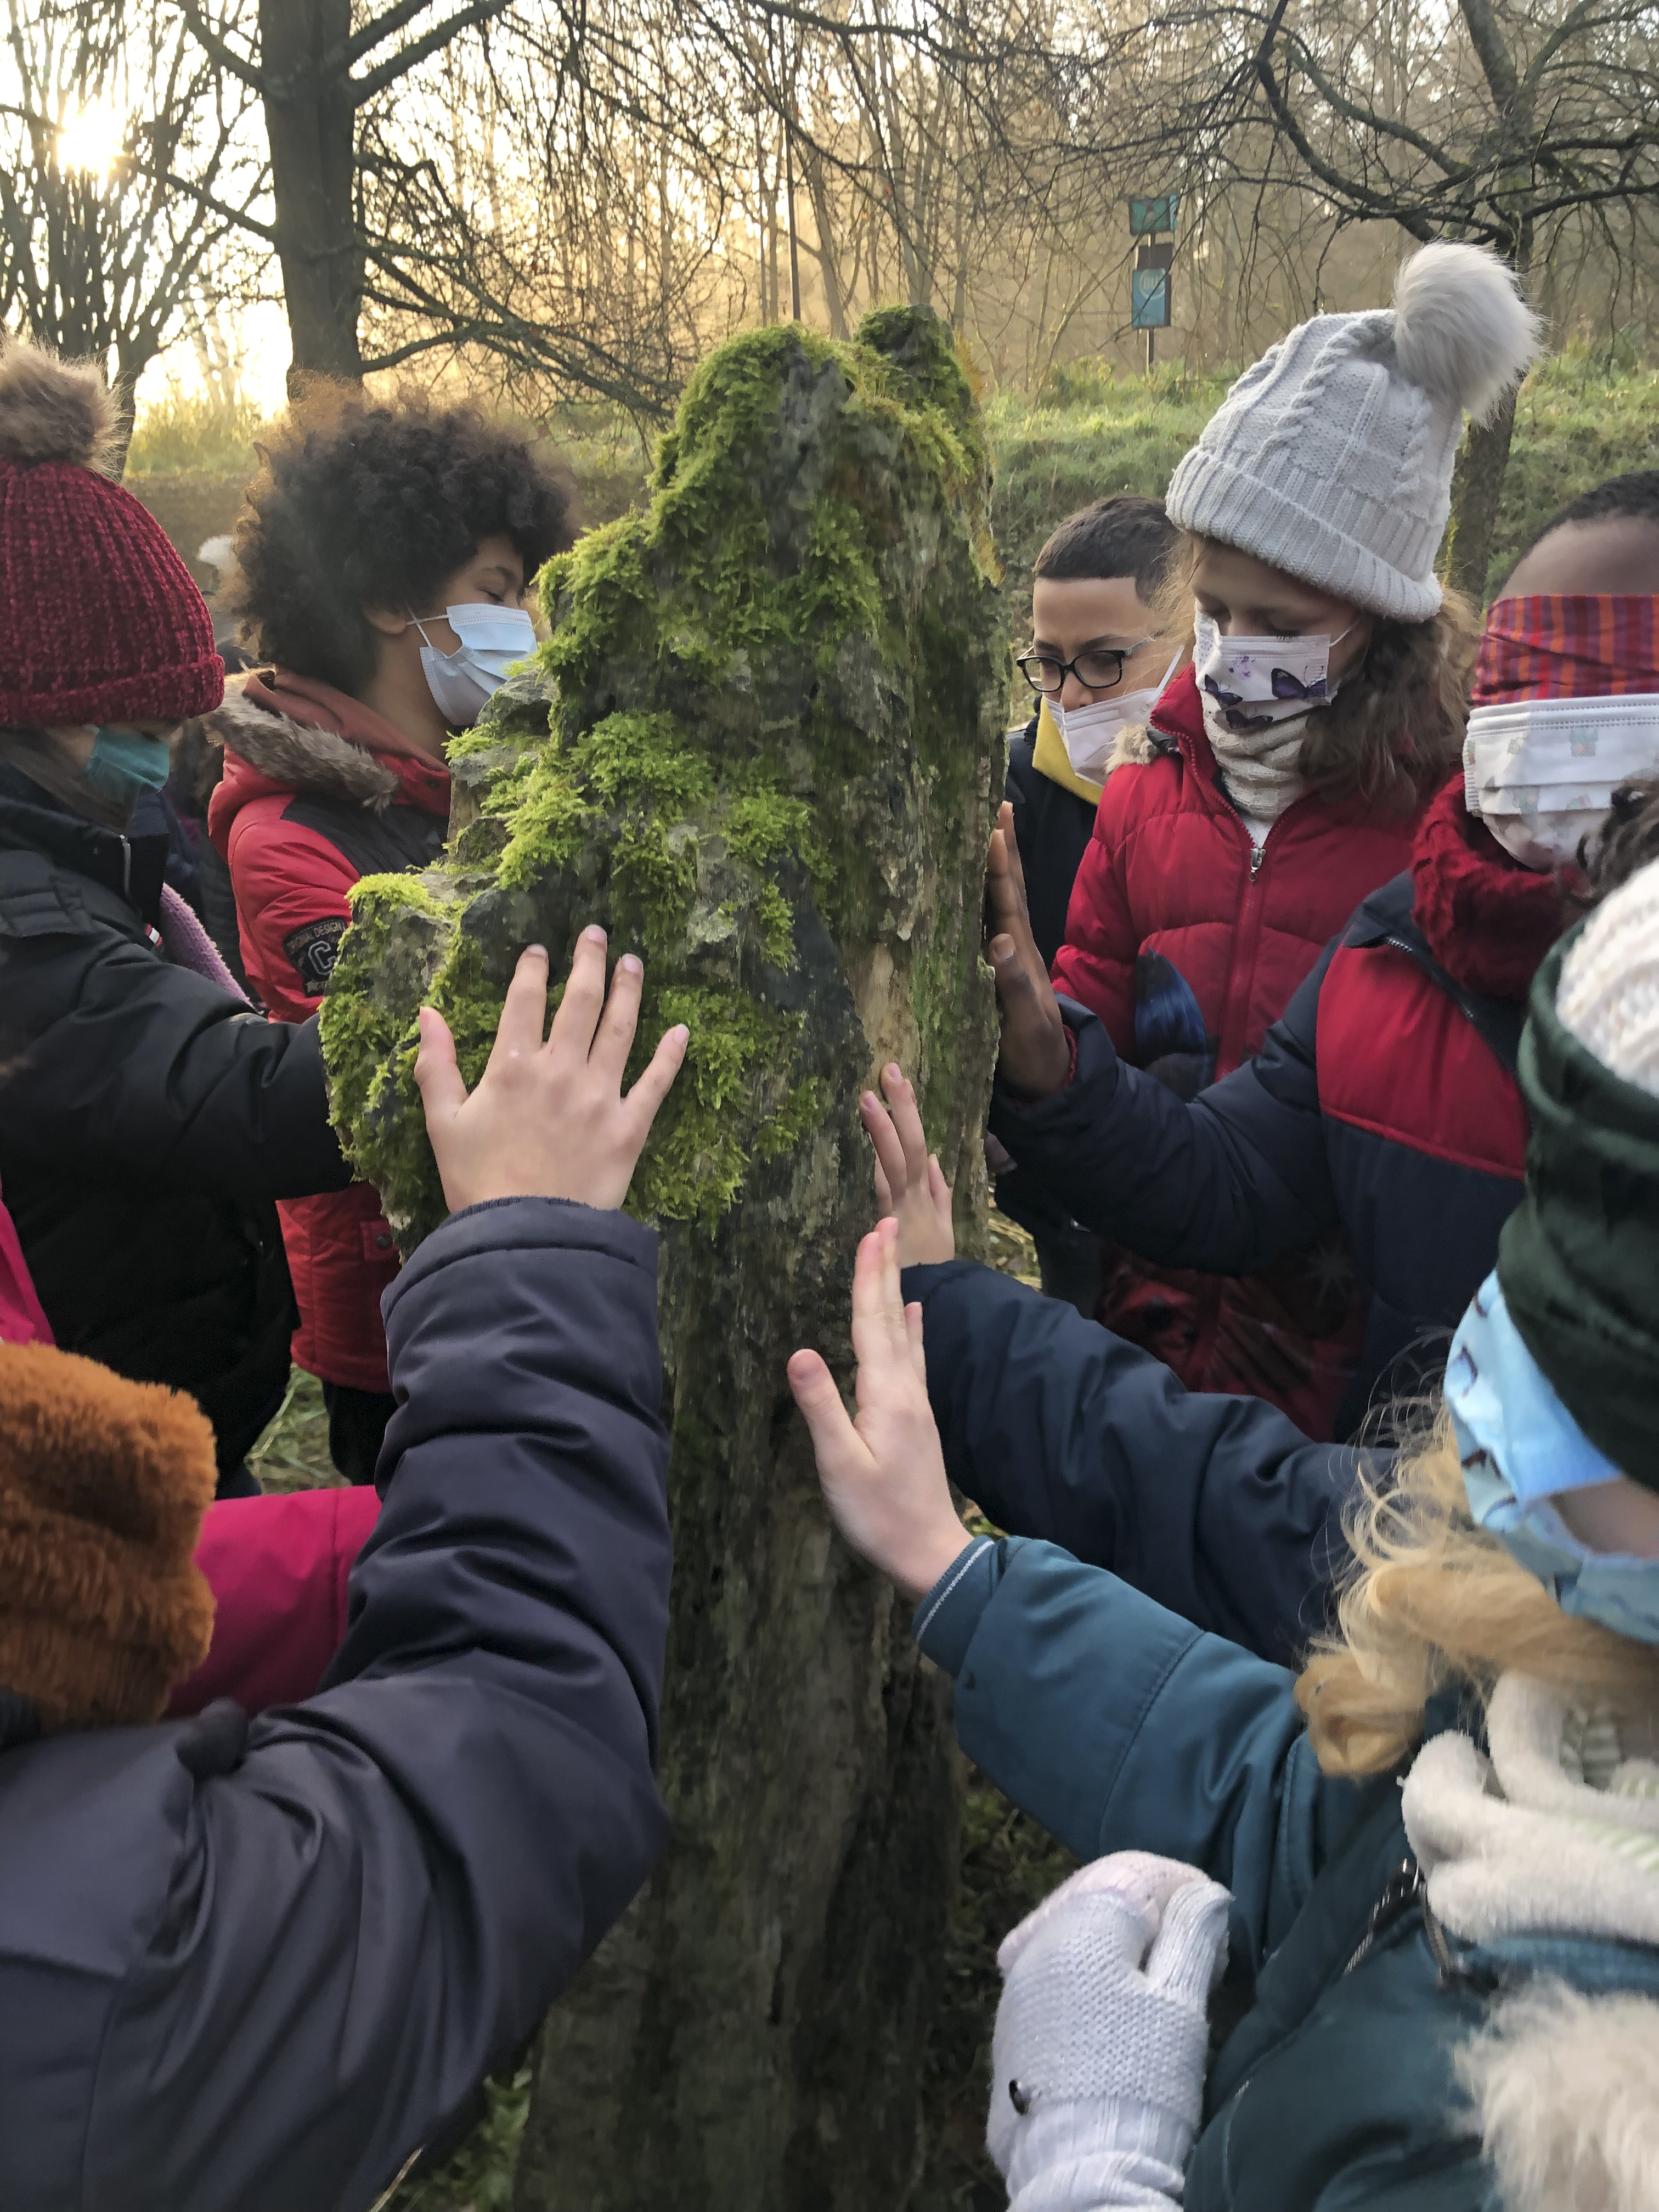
[{"x": 1098, "y": 669}]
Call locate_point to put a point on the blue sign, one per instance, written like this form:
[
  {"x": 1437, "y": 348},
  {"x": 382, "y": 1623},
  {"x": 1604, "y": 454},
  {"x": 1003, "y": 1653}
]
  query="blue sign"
[
  {"x": 1147, "y": 217},
  {"x": 1149, "y": 299}
]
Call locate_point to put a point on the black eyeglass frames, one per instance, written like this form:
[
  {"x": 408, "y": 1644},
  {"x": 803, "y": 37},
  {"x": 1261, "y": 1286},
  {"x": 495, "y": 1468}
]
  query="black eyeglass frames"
[{"x": 1098, "y": 669}]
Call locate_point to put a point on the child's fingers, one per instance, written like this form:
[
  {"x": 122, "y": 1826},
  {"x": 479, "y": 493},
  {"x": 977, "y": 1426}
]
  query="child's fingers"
[
  {"x": 874, "y": 1345},
  {"x": 913, "y": 1331},
  {"x": 938, "y": 1189},
  {"x": 579, "y": 1010},
  {"x": 437, "y": 1078},
  {"x": 841, "y": 1454},
  {"x": 907, "y": 1124},
  {"x": 890, "y": 1162},
  {"x": 656, "y": 1081},
  {"x": 883, "y": 1194},
  {"x": 524, "y": 1010},
  {"x": 1015, "y": 866},
  {"x": 614, "y": 1037}
]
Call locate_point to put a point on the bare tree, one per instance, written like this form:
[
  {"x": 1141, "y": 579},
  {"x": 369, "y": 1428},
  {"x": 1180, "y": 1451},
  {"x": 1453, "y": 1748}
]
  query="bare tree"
[{"x": 124, "y": 177}]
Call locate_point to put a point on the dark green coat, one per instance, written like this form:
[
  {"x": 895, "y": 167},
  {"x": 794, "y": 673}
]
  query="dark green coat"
[{"x": 1120, "y": 1727}]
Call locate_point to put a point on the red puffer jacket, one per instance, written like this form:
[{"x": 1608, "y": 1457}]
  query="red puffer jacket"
[
  {"x": 1188, "y": 941},
  {"x": 319, "y": 791}
]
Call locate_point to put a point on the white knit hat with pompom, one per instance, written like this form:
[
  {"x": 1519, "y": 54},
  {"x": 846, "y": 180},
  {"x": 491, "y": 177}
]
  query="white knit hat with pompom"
[
  {"x": 1608, "y": 992},
  {"x": 1332, "y": 457}
]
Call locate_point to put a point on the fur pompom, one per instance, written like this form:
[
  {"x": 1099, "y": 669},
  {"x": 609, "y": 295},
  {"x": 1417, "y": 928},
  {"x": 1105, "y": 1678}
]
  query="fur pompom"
[
  {"x": 52, "y": 410},
  {"x": 1461, "y": 329},
  {"x": 1567, "y": 2097}
]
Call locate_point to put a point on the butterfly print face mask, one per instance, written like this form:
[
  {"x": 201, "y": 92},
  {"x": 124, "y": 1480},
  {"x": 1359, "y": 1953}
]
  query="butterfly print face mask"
[{"x": 1252, "y": 682}]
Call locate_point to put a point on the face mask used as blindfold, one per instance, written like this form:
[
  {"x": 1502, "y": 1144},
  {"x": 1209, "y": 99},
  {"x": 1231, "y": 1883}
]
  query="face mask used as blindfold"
[
  {"x": 1520, "y": 1448},
  {"x": 493, "y": 641},
  {"x": 126, "y": 763},
  {"x": 1541, "y": 773},
  {"x": 1249, "y": 684}
]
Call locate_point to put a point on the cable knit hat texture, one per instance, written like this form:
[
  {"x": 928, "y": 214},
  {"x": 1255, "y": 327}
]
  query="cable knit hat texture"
[
  {"x": 1332, "y": 459},
  {"x": 100, "y": 619},
  {"x": 1579, "y": 1258},
  {"x": 103, "y": 1485}
]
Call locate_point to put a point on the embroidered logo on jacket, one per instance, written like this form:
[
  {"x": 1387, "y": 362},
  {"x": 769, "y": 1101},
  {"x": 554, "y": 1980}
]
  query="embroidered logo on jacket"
[{"x": 314, "y": 948}]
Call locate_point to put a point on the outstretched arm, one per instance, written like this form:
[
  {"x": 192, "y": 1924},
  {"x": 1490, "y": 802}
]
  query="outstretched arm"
[
  {"x": 1216, "y": 1506},
  {"x": 1114, "y": 1724},
  {"x": 378, "y": 1892}
]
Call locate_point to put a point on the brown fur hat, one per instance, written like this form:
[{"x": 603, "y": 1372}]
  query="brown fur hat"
[{"x": 103, "y": 1485}]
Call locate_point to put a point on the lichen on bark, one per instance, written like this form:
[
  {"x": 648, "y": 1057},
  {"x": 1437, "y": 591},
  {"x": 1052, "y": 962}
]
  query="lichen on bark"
[{"x": 761, "y": 746}]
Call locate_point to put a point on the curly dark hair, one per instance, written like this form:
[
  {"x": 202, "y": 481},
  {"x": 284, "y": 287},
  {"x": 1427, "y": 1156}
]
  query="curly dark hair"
[
  {"x": 358, "y": 505},
  {"x": 1627, "y": 840}
]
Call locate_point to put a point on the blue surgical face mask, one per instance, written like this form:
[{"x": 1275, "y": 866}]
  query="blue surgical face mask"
[
  {"x": 126, "y": 763},
  {"x": 1520, "y": 1447},
  {"x": 492, "y": 640}
]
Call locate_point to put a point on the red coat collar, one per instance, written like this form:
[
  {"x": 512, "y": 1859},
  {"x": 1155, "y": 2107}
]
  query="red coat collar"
[
  {"x": 1488, "y": 920},
  {"x": 424, "y": 782}
]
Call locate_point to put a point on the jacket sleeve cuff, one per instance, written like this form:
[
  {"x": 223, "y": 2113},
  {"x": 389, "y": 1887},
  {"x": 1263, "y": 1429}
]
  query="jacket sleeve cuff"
[{"x": 943, "y": 1623}]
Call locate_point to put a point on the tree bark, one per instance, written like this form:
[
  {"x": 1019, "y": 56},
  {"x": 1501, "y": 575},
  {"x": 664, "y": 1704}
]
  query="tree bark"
[
  {"x": 776, "y": 701},
  {"x": 1477, "y": 494},
  {"x": 310, "y": 126}
]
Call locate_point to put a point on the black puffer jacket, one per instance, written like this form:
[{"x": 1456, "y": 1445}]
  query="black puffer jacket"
[{"x": 147, "y": 1122}]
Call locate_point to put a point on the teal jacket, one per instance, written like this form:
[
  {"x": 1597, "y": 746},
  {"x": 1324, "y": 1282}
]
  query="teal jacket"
[{"x": 1120, "y": 1727}]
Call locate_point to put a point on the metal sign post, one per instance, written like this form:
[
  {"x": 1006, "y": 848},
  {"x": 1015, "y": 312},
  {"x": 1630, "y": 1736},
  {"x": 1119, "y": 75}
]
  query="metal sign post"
[{"x": 1150, "y": 306}]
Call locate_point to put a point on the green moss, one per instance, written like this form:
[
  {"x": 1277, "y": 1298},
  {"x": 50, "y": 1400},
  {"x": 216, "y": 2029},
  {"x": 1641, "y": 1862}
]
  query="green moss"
[{"x": 761, "y": 697}]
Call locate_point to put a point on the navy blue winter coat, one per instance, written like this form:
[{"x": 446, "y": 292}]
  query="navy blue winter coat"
[
  {"x": 255, "y": 1964},
  {"x": 1382, "y": 1105},
  {"x": 1217, "y": 1507}
]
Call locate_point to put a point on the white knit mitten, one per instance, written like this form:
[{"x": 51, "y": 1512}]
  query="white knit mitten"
[{"x": 1097, "y": 2060}]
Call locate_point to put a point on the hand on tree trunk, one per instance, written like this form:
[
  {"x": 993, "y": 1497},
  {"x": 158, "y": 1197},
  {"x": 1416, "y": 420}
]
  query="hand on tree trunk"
[
  {"x": 884, "y": 1473},
  {"x": 910, "y": 1183},
  {"x": 1035, "y": 1060},
  {"x": 548, "y": 1120}
]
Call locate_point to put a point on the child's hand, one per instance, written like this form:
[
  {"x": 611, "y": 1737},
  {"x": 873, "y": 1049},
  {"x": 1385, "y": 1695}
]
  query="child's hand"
[
  {"x": 883, "y": 1474},
  {"x": 547, "y": 1120},
  {"x": 1035, "y": 1060},
  {"x": 910, "y": 1183}
]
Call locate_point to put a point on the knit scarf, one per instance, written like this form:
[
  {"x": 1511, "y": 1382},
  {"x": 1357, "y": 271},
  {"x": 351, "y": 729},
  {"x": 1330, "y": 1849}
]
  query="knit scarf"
[
  {"x": 1258, "y": 766},
  {"x": 1488, "y": 920}
]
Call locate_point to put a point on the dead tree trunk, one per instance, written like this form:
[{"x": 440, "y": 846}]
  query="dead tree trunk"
[
  {"x": 775, "y": 705},
  {"x": 1477, "y": 494}
]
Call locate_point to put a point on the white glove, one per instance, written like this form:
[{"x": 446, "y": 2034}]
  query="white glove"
[{"x": 1097, "y": 2060}]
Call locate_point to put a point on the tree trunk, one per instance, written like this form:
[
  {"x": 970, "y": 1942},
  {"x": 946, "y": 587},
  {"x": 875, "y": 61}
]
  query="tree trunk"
[
  {"x": 310, "y": 126},
  {"x": 776, "y": 724},
  {"x": 1477, "y": 492}
]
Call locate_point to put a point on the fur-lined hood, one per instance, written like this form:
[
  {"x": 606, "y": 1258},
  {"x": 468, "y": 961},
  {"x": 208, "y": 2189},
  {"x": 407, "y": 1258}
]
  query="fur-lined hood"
[
  {"x": 301, "y": 757},
  {"x": 1565, "y": 2090}
]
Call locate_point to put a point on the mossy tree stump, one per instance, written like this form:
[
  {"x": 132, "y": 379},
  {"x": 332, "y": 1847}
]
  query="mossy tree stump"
[{"x": 760, "y": 747}]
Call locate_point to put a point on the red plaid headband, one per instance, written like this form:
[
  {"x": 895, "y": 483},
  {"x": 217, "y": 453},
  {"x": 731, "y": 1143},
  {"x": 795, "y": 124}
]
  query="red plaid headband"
[{"x": 1559, "y": 646}]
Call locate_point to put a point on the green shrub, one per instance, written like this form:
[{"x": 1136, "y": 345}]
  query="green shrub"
[{"x": 194, "y": 430}]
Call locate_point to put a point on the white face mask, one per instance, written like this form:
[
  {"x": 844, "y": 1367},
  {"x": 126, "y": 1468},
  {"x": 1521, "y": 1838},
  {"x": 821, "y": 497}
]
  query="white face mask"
[
  {"x": 1090, "y": 733},
  {"x": 493, "y": 639},
  {"x": 1249, "y": 684},
  {"x": 1541, "y": 773}
]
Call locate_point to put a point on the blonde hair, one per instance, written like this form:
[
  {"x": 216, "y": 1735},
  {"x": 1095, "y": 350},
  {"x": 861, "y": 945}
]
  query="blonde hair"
[
  {"x": 1434, "y": 1602},
  {"x": 1395, "y": 728}
]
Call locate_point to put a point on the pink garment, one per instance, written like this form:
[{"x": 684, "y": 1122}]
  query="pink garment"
[
  {"x": 279, "y": 1567},
  {"x": 189, "y": 945},
  {"x": 22, "y": 1318}
]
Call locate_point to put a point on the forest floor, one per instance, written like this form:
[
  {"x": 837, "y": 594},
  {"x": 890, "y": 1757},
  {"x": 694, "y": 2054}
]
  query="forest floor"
[{"x": 1008, "y": 1865}]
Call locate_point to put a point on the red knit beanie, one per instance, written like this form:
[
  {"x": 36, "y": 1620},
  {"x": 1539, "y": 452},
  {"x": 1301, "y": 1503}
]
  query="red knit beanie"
[{"x": 100, "y": 619}]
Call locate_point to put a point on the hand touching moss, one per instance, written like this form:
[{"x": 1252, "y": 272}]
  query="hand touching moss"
[
  {"x": 1036, "y": 1059},
  {"x": 910, "y": 1183},
  {"x": 547, "y": 1120},
  {"x": 884, "y": 1473}
]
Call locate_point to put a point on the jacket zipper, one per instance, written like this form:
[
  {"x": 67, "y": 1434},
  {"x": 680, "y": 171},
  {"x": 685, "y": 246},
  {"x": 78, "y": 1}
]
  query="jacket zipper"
[{"x": 1247, "y": 930}]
